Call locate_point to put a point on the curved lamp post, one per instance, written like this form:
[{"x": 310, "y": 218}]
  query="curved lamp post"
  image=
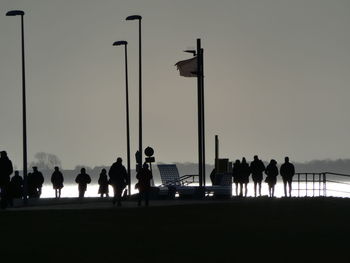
[
  {"x": 21, "y": 13},
  {"x": 125, "y": 44},
  {"x": 139, "y": 18}
]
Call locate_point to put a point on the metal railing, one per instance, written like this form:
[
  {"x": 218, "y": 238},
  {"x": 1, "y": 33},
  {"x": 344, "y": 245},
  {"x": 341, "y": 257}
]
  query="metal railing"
[{"x": 319, "y": 184}]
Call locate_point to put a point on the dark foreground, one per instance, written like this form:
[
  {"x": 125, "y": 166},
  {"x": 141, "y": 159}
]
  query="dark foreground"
[{"x": 279, "y": 230}]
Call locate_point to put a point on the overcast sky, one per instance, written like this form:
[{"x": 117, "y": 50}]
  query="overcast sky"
[{"x": 276, "y": 78}]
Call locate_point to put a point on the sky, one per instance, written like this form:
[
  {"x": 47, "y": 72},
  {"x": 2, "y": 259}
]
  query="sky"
[{"x": 276, "y": 79}]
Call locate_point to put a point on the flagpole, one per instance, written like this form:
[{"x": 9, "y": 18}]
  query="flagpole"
[{"x": 199, "y": 89}]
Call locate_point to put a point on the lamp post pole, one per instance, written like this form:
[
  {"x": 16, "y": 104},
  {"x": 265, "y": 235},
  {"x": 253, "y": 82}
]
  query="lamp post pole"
[
  {"x": 24, "y": 112},
  {"x": 139, "y": 18},
  {"x": 118, "y": 43}
]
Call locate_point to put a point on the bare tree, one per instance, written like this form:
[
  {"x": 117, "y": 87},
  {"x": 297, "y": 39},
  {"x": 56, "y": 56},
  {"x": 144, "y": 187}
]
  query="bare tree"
[{"x": 46, "y": 161}]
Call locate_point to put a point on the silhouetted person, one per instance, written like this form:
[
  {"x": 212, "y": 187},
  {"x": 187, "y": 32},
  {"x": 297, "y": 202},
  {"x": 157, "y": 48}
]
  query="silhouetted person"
[
  {"x": 118, "y": 179},
  {"x": 287, "y": 172},
  {"x": 57, "y": 181},
  {"x": 16, "y": 186},
  {"x": 38, "y": 180},
  {"x": 236, "y": 173},
  {"x": 6, "y": 169},
  {"x": 103, "y": 182},
  {"x": 144, "y": 184},
  {"x": 31, "y": 186},
  {"x": 244, "y": 175},
  {"x": 257, "y": 168},
  {"x": 271, "y": 171},
  {"x": 82, "y": 179}
]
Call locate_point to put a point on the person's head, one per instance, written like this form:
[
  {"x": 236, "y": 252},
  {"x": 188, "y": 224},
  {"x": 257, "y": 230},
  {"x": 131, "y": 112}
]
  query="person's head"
[
  {"x": 145, "y": 166},
  {"x": 16, "y": 173},
  {"x": 35, "y": 168},
  {"x": 273, "y": 161},
  {"x": 103, "y": 171},
  {"x": 82, "y": 170},
  {"x": 57, "y": 168},
  {"x": 119, "y": 160},
  {"x": 237, "y": 161},
  {"x": 3, "y": 154},
  {"x": 286, "y": 159},
  {"x": 256, "y": 158},
  {"x": 244, "y": 160}
]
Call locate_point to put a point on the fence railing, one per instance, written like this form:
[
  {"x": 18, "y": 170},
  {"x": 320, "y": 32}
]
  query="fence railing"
[{"x": 321, "y": 184}]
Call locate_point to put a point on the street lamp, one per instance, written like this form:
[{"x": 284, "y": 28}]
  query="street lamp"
[
  {"x": 139, "y": 18},
  {"x": 121, "y": 43},
  {"x": 21, "y": 13}
]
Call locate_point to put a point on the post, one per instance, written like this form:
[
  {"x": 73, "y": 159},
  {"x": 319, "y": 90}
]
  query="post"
[
  {"x": 216, "y": 151},
  {"x": 306, "y": 183},
  {"x": 298, "y": 184},
  {"x": 24, "y": 115},
  {"x": 324, "y": 185},
  {"x": 201, "y": 55},
  {"x": 199, "y": 91},
  {"x": 127, "y": 118},
  {"x": 313, "y": 185},
  {"x": 140, "y": 96},
  {"x": 319, "y": 184}
]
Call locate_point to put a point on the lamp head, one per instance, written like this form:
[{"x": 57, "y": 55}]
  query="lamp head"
[
  {"x": 135, "y": 17},
  {"x": 191, "y": 51},
  {"x": 15, "y": 13},
  {"x": 119, "y": 43}
]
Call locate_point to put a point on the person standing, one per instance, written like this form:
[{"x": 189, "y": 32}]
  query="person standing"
[
  {"x": 38, "y": 179},
  {"x": 287, "y": 172},
  {"x": 257, "y": 168},
  {"x": 144, "y": 177},
  {"x": 82, "y": 179},
  {"x": 118, "y": 179},
  {"x": 271, "y": 171},
  {"x": 103, "y": 182},
  {"x": 6, "y": 169},
  {"x": 245, "y": 172},
  {"x": 57, "y": 182},
  {"x": 16, "y": 186},
  {"x": 236, "y": 174}
]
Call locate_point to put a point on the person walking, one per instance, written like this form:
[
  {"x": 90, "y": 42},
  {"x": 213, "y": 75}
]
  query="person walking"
[
  {"x": 257, "y": 168},
  {"x": 236, "y": 174},
  {"x": 57, "y": 182},
  {"x": 6, "y": 169},
  {"x": 245, "y": 172},
  {"x": 287, "y": 172},
  {"x": 103, "y": 182},
  {"x": 38, "y": 179},
  {"x": 118, "y": 177},
  {"x": 271, "y": 171},
  {"x": 16, "y": 186},
  {"x": 82, "y": 179},
  {"x": 144, "y": 177}
]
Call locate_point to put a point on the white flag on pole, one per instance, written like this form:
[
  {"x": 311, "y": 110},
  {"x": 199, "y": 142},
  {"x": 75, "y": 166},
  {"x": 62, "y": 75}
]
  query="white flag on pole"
[{"x": 188, "y": 67}]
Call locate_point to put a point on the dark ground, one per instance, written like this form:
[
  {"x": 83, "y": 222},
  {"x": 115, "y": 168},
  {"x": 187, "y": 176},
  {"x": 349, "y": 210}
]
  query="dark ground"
[{"x": 246, "y": 230}]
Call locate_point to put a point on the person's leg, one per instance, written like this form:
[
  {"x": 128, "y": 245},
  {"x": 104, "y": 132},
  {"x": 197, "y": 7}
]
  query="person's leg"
[
  {"x": 119, "y": 197},
  {"x": 246, "y": 190},
  {"x": 240, "y": 189},
  {"x": 255, "y": 185},
  {"x": 290, "y": 188},
  {"x": 273, "y": 191},
  {"x": 285, "y": 187},
  {"x": 259, "y": 188},
  {"x": 59, "y": 193},
  {"x": 236, "y": 189}
]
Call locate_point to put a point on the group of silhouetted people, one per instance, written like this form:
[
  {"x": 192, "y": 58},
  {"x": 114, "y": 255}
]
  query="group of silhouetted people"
[
  {"x": 241, "y": 172},
  {"x": 11, "y": 188}
]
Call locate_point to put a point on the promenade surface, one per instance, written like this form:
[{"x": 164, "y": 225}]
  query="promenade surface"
[{"x": 235, "y": 230}]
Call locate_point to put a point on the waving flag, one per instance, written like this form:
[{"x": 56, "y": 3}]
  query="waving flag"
[{"x": 188, "y": 67}]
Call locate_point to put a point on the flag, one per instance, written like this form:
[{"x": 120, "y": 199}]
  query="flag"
[{"x": 188, "y": 67}]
